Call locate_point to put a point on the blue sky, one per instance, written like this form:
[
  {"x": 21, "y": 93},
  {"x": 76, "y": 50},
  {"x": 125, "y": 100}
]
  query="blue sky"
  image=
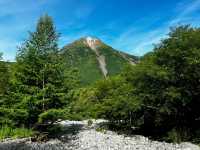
[{"x": 132, "y": 26}]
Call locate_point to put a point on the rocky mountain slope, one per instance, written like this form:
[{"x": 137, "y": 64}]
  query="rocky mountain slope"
[{"x": 94, "y": 59}]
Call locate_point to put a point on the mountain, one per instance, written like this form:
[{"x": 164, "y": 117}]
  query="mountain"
[{"x": 94, "y": 59}]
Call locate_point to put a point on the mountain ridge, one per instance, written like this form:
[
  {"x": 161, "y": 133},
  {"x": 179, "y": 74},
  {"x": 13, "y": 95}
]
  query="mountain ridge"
[{"x": 94, "y": 59}]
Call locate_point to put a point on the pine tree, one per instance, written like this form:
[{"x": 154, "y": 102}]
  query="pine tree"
[{"x": 39, "y": 73}]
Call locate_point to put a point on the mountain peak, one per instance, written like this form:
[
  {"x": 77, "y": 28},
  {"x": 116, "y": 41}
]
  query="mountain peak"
[
  {"x": 92, "y": 42},
  {"x": 91, "y": 38}
]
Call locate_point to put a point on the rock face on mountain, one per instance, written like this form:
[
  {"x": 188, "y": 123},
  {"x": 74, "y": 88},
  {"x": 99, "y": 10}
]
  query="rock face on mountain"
[
  {"x": 94, "y": 59},
  {"x": 94, "y": 44}
]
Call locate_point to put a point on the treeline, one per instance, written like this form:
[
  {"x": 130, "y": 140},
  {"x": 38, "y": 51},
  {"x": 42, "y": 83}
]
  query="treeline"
[{"x": 159, "y": 96}]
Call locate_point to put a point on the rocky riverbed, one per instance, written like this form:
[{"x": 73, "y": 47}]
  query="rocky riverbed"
[{"x": 84, "y": 137}]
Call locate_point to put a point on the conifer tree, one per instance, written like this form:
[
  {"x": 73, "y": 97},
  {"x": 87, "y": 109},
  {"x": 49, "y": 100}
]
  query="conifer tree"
[{"x": 39, "y": 73}]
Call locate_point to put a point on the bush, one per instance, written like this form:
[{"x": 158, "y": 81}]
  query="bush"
[
  {"x": 51, "y": 116},
  {"x": 54, "y": 130},
  {"x": 19, "y": 116},
  {"x": 13, "y": 117}
]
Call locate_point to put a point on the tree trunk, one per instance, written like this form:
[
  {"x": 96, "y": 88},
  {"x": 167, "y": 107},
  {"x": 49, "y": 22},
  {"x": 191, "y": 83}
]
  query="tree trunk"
[{"x": 43, "y": 87}]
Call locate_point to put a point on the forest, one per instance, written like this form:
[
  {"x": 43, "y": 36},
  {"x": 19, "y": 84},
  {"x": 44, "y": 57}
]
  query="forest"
[{"x": 159, "y": 96}]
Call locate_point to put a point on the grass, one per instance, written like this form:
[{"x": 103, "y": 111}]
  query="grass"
[{"x": 8, "y": 132}]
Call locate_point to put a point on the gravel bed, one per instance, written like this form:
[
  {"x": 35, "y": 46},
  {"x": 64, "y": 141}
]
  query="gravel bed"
[{"x": 89, "y": 139}]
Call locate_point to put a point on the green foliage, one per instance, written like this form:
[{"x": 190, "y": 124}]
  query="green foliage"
[
  {"x": 4, "y": 77},
  {"x": 38, "y": 83},
  {"x": 8, "y": 132},
  {"x": 83, "y": 103},
  {"x": 51, "y": 116},
  {"x": 54, "y": 130},
  {"x": 35, "y": 88},
  {"x": 71, "y": 80},
  {"x": 166, "y": 83},
  {"x": 160, "y": 95},
  {"x": 109, "y": 99},
  {"x": 117, "y": 101},
  {"x": 13, "y": 117},
  {"x": 115, "y": 60},
  {"x": 39, "y": 72},
  {"x": 174, "y": 136}
]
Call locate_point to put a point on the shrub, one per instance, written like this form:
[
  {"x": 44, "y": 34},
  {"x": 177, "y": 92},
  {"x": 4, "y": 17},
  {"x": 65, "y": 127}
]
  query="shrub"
[
  {"x": 54, "y": 130},
  {"x": 51, "y": 116},
  {"x": 13, "y": 117}
]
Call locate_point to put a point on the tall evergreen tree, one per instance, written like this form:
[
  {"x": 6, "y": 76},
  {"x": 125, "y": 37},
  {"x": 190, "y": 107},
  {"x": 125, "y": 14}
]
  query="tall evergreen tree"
[{"x": 39, "y": 73}]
